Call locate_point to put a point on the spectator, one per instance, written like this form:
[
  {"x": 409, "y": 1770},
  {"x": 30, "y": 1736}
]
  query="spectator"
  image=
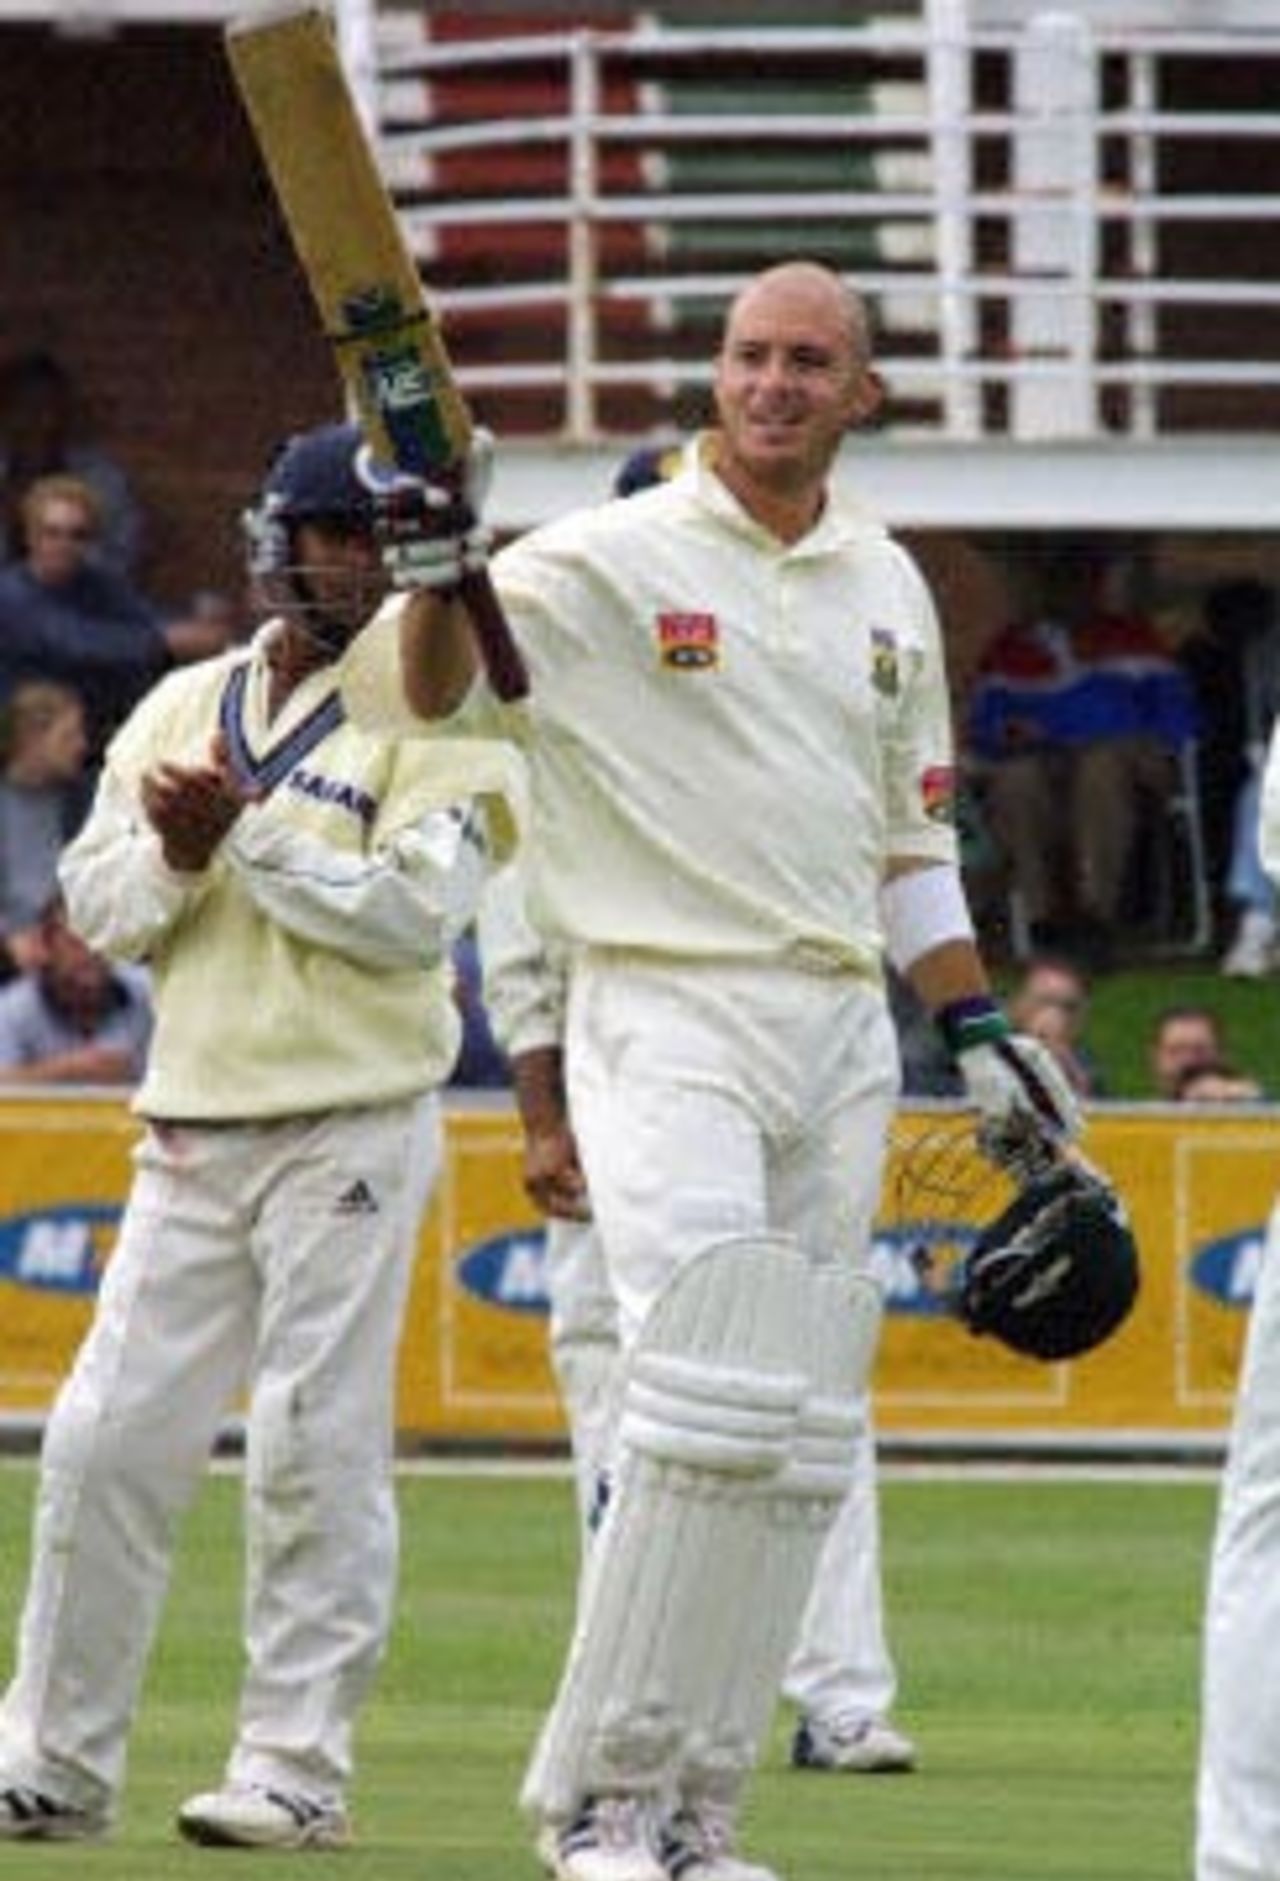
[
  {"x": 1245, "y": 613},
  {"x": 62, "y": 617},
  {"x": 42, "y": 435},
  {"x": 1217, "y": 1082},
  {"x": 1051, "y": 1002},
  {"x": 1232, "y": 659},
  {"x": 1075, "y": 715},
  {"x": 1183, "y": 1038},
  {"x": 481, "y": 1064},
  {"x": 42, "y": 800},
  {"x": 74, "y": 1018}
]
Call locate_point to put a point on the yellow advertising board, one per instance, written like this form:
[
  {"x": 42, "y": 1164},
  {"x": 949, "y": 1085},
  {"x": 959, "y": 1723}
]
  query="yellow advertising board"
[{"x": 473, "y": 1365}]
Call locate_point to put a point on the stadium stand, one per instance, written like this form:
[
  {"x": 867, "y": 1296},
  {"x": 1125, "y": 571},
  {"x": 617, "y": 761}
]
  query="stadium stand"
[{"x": 1057, "y": 214}]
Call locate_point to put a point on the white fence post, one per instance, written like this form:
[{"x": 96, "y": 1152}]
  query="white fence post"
[
  {"x": 584, "y": 105},
  {"x": 355, "y": 23},
  {"x": 950, "y": 101},
  {"x": 1053, "y": 234}
]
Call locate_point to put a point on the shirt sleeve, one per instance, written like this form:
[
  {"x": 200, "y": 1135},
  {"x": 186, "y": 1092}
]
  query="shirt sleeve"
[
  {"x": 525, "y": 976},
  {"x": 371, "y": 682},
  {"x": 918, "y": 752},
  {"x": 122, "y": 896},
  {"x": 401, "y": 905}
]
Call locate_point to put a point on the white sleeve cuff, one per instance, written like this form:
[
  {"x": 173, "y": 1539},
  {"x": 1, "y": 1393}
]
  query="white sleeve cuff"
[{"x": 923, "y": 909}]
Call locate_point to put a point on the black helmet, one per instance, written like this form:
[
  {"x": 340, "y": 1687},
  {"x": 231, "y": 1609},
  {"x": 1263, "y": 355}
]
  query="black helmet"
[{"x": 1056, "y": 1273}]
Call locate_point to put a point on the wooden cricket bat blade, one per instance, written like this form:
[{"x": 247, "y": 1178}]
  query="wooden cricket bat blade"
[{"x": 386, "y": 339}]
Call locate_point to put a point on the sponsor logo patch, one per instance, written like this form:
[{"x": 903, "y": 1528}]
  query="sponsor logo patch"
[
  {"x": 58, "y": 1250},
  {"x": 885, "y": 676},
  {"x": 359, "y": 1199},
  {"x": 911, "y": 1265},
  {"x": 688, "y": 642},
  {"x": 336, "y": 791},
  {"x": 938, "y": 793},
  {"x": 508, "y": 1271},
  {"x": 1227, "y": 1269}
]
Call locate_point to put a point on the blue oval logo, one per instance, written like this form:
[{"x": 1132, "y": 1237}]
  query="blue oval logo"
[
  {"x": 59, "y": 1250},
  {"x": 508, "y": 1270},
  {"x": 1227, "y": 1269},
  {"x": 912, "y": 1264}
]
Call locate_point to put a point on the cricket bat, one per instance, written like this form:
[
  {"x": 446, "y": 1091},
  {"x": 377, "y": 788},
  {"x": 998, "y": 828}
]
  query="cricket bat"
[{"x": 386, "y": 339}]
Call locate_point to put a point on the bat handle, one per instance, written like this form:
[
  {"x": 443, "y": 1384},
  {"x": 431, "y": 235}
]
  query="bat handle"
[{"x": 503, "y": 662}]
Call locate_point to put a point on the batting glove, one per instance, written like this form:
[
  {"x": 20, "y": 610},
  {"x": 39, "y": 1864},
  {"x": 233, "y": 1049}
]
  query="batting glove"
[
  {"x": 1027, "y": 1108},
  {"x": 429, "y": 533}
]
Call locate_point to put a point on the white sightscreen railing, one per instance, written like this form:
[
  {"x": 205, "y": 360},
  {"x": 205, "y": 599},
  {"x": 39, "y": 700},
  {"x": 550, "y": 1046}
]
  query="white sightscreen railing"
[{"x": 1039, "y": 264}]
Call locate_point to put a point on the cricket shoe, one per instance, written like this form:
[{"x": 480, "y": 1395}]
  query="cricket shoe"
[
  {"x": 610, "y": 1839},
  {"x": 32, "y": 1815},
  {"x": 852, "y": 1741},
  {"x": 698, "y": 1845},
  {"x": 250, "y": 1816}
]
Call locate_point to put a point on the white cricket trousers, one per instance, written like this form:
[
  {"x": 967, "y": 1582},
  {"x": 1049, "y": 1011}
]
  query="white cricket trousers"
[
  {"x": 841, "y": 1662},
  {"x": 1238, "y": 1831},
  {"x": 724, "y": 1099},
  {"x": 270, "y": 1258}
]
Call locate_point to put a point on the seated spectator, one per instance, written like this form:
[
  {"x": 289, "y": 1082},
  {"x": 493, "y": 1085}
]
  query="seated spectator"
[
  {"x": 1217, "y": 1082},
  {"x": 1183, "y": 1038},
  {"x": 1051, "y": 1003},
  {"x": 62, "y": 617},
  {"x": 42, "y": 434},
  {"x": 74, "y": 1018},
  {"x": 1075, "y": 715},
  {"x": 42, "y": 802}
]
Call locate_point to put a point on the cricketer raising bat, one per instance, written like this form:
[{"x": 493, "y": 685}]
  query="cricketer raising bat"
[{"x": 387, "y": 341}]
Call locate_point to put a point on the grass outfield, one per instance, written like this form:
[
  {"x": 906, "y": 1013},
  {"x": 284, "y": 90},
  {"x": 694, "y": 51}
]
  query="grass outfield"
[{"x": 1047, "y": 1634}]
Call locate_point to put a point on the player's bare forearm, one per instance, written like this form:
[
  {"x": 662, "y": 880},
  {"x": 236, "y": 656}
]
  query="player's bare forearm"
[
  {"x": 553, "y": 1174},
  {"x": 86, "y": 1064},
  {"x": 437, "y": 654},
  {"x": 949, "y": 973}
]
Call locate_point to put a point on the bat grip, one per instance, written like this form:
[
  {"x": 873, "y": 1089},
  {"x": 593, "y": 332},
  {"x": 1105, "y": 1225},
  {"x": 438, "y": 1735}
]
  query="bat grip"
[{"x": 503, "y": 662}]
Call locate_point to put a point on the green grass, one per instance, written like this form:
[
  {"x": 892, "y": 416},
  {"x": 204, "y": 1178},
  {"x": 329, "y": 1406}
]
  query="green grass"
[
  {"x": 1123, "y": 1007},
  {"x": 1047, "y": 1636}
]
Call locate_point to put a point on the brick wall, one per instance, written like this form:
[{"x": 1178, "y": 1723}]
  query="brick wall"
[{"x": 139, "y": 242}]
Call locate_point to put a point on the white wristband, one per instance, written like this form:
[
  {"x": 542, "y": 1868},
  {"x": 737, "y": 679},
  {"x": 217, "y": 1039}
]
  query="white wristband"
[{"x": 923, "y": 909}]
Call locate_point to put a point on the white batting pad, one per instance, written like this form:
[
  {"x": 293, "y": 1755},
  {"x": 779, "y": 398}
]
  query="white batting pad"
[
  {"x": 842, "y": 1322},
  {"x": 736, "y": 1442}
]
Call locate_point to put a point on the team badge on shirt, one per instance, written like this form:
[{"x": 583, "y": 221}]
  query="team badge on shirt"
[
  {"x": 884, "y": 662},
  {"x": 938, "y": 793},
  {"x": 688, "y": 642}
]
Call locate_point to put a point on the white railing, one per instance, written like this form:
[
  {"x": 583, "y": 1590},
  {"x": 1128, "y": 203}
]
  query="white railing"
[{"x": 1037, "y": 270}]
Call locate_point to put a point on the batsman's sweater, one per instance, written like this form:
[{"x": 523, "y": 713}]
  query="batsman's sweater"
[
  {"x": 728, "y": 737},
  {"x": 304, "y": 970}
]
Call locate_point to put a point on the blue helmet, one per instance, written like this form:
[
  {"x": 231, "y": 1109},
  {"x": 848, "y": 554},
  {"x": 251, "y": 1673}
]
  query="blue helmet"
[
  {"x": 314, "y": 474},
  {"x": 313, "y": 478},
  {"x": 651, "y": 464}
]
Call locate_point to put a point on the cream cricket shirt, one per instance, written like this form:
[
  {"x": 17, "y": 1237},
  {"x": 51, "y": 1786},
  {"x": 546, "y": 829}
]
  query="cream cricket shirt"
[
  {"x": 300, "y": 972},
  {"x": 728, "y": 737}
]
